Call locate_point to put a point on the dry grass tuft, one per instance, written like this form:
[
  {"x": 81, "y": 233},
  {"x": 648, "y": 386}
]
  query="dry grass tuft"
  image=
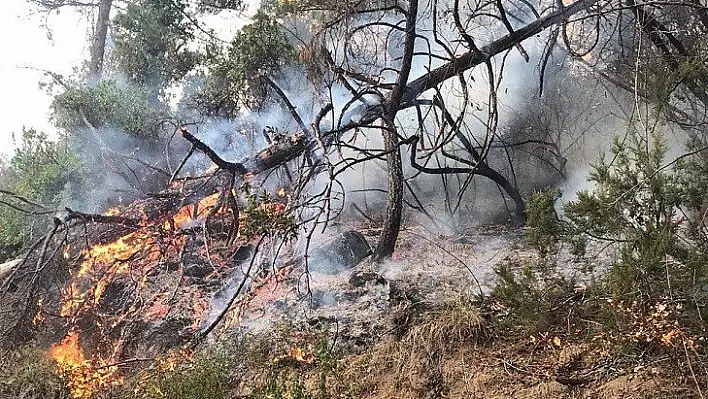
[{"x": 440, "y": 330}]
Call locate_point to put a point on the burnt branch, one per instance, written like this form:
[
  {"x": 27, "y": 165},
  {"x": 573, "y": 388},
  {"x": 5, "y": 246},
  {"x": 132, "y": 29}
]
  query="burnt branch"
[
  {"x": 220, "y": 162},
  {"x": 95, "y": 218},
  {"x": 286, "y": 101},
  {"x": 473, "y": 58}
]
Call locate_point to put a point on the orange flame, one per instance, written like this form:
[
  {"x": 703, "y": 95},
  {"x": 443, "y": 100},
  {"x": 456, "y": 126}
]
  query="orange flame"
[
  {"x": 186, "y": 214},
  {"x": 134, "y": 255},
  {"x": 82, "y": 377},
  {"x": 39, "y": 316},
  {"x": 103, "y": 262},
  {"x": 113, "y": 211}
]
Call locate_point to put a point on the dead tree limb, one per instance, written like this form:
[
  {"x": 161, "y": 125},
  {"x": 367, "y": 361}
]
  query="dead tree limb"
[
  {"x": 473, "y": 58},
  {"x": 286, "y": 101},
  {"x": 233, "y": 167},
  {"x": 90, "y": 217}
]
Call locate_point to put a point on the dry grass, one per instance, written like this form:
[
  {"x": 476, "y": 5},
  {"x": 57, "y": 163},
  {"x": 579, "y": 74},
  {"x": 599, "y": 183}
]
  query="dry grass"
[{"x": 442, "y": 329}]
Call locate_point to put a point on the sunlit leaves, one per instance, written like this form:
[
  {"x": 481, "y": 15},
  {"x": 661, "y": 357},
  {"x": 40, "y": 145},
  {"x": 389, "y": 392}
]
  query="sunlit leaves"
[{"x": 105, "y": 104}]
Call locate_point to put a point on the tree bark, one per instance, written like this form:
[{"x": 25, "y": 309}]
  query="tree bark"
[
  {"x": 394, "y": 207},
  {"x": 98, "y": 42}
]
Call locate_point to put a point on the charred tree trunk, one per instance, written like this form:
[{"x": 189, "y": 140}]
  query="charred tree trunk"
[
  {"x": 394, "y": 208},
  {"x": 394, "y": 205},
  {"x": 98, "y": 42}
]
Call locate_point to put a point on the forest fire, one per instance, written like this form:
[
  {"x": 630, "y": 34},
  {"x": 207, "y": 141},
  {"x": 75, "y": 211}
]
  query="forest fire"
[
  {"x": 134, "y": 254},
  {"x": 83, "y": 376},
  {"x": 122, "y": 281}
]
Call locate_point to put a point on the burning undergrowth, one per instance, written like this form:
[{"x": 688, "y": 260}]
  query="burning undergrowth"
[
  {"x": 108, "y": 290},
  {"x": 170, "y": 272},
  {"x": 209, "y": 258}
]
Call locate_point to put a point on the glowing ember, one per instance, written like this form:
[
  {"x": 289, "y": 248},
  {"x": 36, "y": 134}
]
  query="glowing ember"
[
  {"x": 302, "y": 356},
  {"x": 113, "y": 211},
  {"x": 186, "y": 214},
  {"x": 39, "y": 316},
  {"x": 82, "y": 377}
]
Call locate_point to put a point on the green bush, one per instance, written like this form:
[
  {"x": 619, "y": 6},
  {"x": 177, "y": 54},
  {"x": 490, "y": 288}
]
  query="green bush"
[
  {"x": 545, "y": 229},
  {"x": 207, "y": 377},
  {"x": 536, "y": 297},
  {"x": 33, "y": 376},
  {"x": 640, "y": 204}
]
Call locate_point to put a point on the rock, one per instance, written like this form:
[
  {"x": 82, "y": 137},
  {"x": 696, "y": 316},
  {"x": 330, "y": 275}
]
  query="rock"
[
  {"x": 6, "y": 268},
  {"x": 359, "y": 279},
  {"x": 342, "y": 253}
]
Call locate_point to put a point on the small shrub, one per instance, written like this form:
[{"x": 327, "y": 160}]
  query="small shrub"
[
  {"x": 34, "y": 376},
  {"x": 545, "y": 229},
  {"x": 535, "y": 296},
  {"x": 206, "y": 378},
  {"x": 639, "y": 203}
]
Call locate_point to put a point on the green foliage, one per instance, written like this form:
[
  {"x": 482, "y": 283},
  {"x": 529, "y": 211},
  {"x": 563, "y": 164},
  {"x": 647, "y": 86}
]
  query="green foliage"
[
  {"x": 207, "y": 378},
  {"x": 33, "y": 376},
  {"x": 259, "y": 49},
  {"x": 544, "y": 227},
  {"x": 536, "y": 297},
  {"x": 106, "y": 104},
  {"x": 41, "y": 171},
  {"x": 638, "y": 204},
  {"x": 265, "y": 216},
  {"x": 663, "y": 80},
  {"x": 151, "y": 42},
  {"x": 219, "y": 5},
  {"x": 42, "y": 166}
]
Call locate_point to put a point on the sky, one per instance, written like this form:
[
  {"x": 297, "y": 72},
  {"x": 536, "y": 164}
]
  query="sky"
[{"x": 25, "y": 46}]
